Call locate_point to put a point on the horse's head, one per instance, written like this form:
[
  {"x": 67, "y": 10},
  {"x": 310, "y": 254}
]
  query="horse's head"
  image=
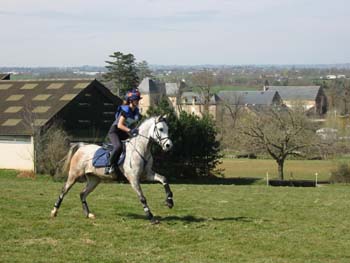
[{"x": 159, "y": 133}]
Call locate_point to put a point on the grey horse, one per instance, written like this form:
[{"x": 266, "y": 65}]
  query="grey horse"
[{"x": 138, "y": 163}]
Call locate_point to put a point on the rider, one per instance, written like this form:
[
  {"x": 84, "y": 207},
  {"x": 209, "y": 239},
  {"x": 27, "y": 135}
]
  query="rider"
[{"x": 125, "y": 118}]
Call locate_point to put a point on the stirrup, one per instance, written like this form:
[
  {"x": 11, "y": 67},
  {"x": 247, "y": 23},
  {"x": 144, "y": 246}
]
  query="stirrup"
[{"x": 109, "y": 169}]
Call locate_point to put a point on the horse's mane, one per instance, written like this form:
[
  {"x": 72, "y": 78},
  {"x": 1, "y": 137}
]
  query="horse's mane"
[{"x": 146, "y": 121}]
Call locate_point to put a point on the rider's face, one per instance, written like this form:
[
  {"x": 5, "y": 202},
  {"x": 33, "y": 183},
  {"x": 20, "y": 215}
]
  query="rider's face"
[{"x": 135, "y": 103}]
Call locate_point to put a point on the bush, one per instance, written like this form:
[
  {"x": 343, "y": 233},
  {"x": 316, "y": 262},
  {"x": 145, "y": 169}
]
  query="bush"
[
  {"x": 52, "y": 145},
  {"x": 341, "y": 174},
  {"x": 196, "y": 148}
]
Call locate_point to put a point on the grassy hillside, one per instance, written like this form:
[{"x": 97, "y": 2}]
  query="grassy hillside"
[{"x": 209, "y": 223}]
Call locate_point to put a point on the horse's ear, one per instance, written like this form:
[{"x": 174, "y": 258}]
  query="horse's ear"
[{"x": 162, "y": 117}]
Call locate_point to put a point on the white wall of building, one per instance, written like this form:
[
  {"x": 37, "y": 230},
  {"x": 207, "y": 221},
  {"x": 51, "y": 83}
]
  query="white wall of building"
[{"x": 16, "y": 153}]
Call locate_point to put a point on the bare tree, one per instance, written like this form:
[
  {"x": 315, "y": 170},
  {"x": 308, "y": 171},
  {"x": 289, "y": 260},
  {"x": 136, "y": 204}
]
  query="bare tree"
[
  {"x": 204, "y": 80},
  {"x": 280, "y": 132},
  {"x": 50, "y": 142},
  {"x": 230, "y": 110}
]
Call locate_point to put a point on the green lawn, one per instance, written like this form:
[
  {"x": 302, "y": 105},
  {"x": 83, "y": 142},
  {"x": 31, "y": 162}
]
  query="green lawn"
[
  {"x": 293, "y": 169},
  {"x": 209, "y": 223}
]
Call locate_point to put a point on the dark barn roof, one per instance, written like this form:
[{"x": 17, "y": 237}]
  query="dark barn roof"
[
  {"x": 24, "y": 104},
  {"x": 249, "y": 97},
  {"x": 296, "y": 92},
  {"x": 4, "y": 76}
]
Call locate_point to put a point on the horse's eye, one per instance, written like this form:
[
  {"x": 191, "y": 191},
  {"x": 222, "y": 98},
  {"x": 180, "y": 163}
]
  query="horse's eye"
[{"x": 160, "y": 129}]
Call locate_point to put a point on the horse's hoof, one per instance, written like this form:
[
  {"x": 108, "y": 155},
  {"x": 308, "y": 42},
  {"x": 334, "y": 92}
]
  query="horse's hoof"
[
  {"x": 54, "y": 212},
  {"x": 169, "y": 203},
  {"x": 154, "y": 221},
  {"x": 91, "y": 216}
]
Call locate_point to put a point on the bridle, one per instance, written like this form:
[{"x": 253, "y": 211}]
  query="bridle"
[{"x": 157, "y": 134}]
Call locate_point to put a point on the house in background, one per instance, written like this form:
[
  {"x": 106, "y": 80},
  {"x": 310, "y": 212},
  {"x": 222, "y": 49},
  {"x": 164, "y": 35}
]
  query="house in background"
[
  {"x": 313, "y": 98},
  {"x": 193, "y": 103},
  {"x": 173, "y": 93},
  {"x": 151, "y": 94},
  {"x": 84, "y": 108},
  {"x": 250, "y": 98}
]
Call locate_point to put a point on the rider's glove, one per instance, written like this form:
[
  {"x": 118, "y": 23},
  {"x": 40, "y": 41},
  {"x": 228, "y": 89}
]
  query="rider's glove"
[{"x": 134, "y": 132}]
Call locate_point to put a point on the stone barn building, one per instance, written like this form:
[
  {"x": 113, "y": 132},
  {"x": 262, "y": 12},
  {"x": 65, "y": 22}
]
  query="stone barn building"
[
  {"x": 84, "y": 108},
  {"x": 312, "y": 97}
]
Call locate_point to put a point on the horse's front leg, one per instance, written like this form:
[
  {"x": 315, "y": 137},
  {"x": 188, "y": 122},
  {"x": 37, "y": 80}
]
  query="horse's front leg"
[
  {"x": 152, "y": 176},
  {"x": 135, "y": 184}
]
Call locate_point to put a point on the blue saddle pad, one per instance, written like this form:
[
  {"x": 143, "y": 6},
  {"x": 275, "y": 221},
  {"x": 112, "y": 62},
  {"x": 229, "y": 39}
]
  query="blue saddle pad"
[{"x": 101, "y": 157}]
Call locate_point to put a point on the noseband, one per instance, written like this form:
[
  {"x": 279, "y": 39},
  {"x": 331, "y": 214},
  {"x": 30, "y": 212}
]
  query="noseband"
[
  {"x": 157, "y": 134},
  {"x": 158, "y": 137}
]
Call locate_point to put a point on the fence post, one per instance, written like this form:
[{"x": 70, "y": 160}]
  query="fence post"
[
  {"x": 267, "y": 178},
  {"x": 316, "y": 174}
]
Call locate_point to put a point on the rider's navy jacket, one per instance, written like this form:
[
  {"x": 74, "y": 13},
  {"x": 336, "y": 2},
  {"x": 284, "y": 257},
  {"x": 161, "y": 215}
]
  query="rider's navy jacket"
[{"x": 131, "y": 117}]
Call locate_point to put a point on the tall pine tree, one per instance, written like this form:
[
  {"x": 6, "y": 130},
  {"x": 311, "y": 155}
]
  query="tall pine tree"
[{"x": 122, "y": 70}]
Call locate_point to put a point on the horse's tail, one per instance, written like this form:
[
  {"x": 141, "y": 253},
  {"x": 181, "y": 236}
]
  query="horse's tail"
[{"x": 69, "y": 156}]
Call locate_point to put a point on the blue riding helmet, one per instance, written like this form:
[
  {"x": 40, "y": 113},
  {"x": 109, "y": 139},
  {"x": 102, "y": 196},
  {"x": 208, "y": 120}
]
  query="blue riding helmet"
[{"x": 132, "y": 95}]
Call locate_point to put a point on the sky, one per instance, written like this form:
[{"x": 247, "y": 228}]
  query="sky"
[{"x": 174, "y": 32}]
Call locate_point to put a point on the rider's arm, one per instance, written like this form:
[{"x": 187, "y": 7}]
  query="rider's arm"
[{"x": 121, "y": 124}]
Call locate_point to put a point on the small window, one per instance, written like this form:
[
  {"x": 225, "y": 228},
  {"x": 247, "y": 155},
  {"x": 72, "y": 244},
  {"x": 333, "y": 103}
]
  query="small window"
[
  {"x": 68, "y": 96},
  {"x": 40, "y": 122},
  {"x": 82, "y": 85},
  {"x": 15, "y": 97},
  {"x": 84, "y": 121},
  {"x": 29, "y": 86},
  {"x": 41, "y": 109},
  {"x": 84, "y": 104},
  {"x": 13, "y": 109},
  {"x": 55, "y": 86},
  {"x": 11, "y": 122},
  {"x": 42, "y": 97},
  {"x": 5, "y": 86},
  {"x": 108, "y": 113}
]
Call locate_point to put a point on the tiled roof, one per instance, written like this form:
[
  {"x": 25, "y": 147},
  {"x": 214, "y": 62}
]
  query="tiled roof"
[
  {"x": 296, "y": 92},
  {"x": 148, "y": 86},
  {"x": 248, "y": 97},
  {"x": 36, "y": 102}
]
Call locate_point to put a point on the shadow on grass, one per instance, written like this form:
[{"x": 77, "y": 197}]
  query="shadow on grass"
[{"x": 190, "y": 219}]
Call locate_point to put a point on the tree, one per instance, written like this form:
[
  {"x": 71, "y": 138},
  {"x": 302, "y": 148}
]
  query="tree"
[
  {"x": 279, "y": 132},
  {"x": 122, "y": 71},
  {"x": 204, "y": 80},
  {"x": 143, "y": 70},
  {"x": 52, "y": 146},
  {"x": 51, "y": 142},
  {"x": 196, "y": 148}
]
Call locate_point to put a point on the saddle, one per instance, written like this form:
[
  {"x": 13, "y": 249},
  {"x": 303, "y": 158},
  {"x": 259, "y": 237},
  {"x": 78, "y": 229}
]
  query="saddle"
[{"x": 102, "y": 154}]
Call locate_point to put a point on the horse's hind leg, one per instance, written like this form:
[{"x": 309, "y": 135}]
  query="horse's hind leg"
[
  {"x": 68, "y": 185},
  {"x": 92, "y": 182},
  {"x": 152, "y": 176}
]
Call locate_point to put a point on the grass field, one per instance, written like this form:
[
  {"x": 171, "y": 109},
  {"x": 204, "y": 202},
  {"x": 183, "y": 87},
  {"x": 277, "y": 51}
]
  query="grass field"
[
  {"x": 209, "y": 223},
  {"x": 293, "y": 169}
]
